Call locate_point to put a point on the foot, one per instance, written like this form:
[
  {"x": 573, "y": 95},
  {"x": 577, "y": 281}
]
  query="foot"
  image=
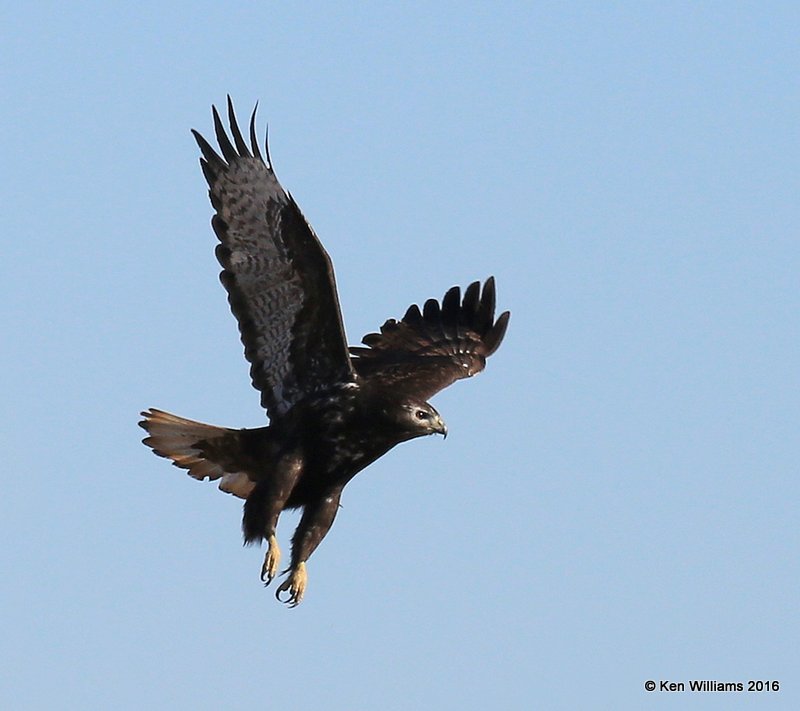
[
  {"x": 295, "y": 584},
  {"x": 271, "y": 560}
]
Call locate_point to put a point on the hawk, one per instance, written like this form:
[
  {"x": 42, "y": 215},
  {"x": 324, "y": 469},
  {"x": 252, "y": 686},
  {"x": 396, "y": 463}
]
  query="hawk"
[{"x": 332, "y": 409}]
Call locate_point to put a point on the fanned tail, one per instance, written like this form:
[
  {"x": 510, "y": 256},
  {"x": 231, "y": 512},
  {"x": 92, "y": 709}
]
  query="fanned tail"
[{"x": 198, "y": 447}]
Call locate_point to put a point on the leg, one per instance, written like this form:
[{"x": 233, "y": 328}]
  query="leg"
[
  {"x": 264, "y": 506},
  {"x": 315, "y": 523},
  {"x": 269, "y": 507},
  {"x": 272, "y": 559}
]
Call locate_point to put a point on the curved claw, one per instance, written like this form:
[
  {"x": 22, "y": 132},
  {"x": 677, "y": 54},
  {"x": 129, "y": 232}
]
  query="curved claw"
[
  {"x": 295, "y": 584},
  {"x": 271, "y": 561}
]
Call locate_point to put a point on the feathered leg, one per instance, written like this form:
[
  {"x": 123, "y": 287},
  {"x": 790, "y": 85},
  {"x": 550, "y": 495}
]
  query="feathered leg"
[
  {"x": 264, "y": 506},
  {"x": 314, "y": 525}
]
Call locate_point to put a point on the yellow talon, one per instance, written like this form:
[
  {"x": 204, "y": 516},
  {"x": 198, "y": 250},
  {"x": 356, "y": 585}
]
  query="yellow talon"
[
  {"x": 271, "y": 560},
  {"x": 295, "y": 584}
]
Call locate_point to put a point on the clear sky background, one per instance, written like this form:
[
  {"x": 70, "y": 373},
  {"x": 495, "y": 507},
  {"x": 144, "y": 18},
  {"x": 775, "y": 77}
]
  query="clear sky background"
[{"x": 617, "y": 499}]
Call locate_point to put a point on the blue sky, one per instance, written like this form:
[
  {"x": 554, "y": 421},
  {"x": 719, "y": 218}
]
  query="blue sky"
[{"x": 617, "y": 499}]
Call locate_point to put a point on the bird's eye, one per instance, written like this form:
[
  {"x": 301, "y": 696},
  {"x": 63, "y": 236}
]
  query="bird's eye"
[{"x": 421, "y": 415}]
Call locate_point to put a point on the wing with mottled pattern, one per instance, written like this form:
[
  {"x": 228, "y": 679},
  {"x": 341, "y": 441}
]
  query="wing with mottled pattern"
[
  {"x": 279, "y": 279},
  {"x": 429, "y": 349}
]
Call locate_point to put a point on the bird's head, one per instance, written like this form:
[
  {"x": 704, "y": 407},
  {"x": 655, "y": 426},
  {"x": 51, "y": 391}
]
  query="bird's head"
[{"x": 419, "y": 418}]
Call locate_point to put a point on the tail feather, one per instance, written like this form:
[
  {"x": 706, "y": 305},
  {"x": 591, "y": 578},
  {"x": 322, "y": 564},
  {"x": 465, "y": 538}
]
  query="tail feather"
[{"x": 185, "y": 443}]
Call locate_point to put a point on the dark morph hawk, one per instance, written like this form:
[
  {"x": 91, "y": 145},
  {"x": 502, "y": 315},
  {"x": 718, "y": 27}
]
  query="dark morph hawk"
[{"x": 333, "y": 410}]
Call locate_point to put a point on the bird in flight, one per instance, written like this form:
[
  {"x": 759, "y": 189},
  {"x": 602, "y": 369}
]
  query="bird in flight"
[{"x": 332, "y": 409}]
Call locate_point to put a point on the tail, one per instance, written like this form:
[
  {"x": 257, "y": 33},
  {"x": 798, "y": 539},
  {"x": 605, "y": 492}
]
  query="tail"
[{"x": 205, "y": 450}]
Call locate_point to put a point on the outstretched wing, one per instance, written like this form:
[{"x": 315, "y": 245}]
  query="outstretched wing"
[
  {"x": 429, "y": 349},
  {"x": 279, "y": 278}
]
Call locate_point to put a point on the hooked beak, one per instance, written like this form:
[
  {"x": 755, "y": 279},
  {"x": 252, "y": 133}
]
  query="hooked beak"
[{"x": 441, "y": 427}]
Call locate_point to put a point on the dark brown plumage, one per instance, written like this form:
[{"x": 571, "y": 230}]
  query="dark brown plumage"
[{"x": 333, "y": 410}]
